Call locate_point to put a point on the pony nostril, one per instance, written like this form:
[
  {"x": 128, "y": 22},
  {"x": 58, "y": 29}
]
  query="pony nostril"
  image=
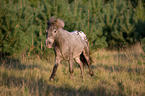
[{"x": 49, "y": 42}]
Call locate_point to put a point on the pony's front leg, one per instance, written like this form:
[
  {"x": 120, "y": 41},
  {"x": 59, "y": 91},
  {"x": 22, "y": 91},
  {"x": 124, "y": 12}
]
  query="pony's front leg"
[
  {"x": 71, "y": 66},
  {"x": 57, "y": 62}
]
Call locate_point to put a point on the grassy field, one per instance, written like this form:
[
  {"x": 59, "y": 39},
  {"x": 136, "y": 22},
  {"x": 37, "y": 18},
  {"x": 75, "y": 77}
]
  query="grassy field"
[{"x": 115, "y": 74}]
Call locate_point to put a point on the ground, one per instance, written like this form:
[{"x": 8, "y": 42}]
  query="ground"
[{"x": 115, "y": 74}]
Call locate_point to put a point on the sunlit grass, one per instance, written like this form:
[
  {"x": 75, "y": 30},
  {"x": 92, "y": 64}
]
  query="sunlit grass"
[{"x": 115, "y": 73}]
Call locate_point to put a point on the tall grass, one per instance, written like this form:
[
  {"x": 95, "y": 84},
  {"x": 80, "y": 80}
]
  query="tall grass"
[{"x": 117, "y": 73}]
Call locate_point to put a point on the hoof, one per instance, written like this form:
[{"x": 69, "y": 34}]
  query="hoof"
[
  {"x": 92, "y": 73},
  {"x": 51, "y": 79},
  {"x": 82, "y": 77}
]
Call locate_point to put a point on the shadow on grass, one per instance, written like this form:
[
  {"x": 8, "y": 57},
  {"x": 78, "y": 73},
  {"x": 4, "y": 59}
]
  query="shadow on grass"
[
  {"x": 13, "y": 63},
  {"x": 40, "y": 87},
  {"x": 67, "y": 90}
]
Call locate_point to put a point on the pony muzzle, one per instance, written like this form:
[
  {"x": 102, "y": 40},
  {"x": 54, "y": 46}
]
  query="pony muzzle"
[{"x": 49, "y": 43}]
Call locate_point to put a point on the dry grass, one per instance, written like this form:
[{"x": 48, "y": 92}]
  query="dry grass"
[{"x": 116, "y": 74}]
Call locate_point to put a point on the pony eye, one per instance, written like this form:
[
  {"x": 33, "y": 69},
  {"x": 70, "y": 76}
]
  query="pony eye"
[{"x": 54, "y": 31}]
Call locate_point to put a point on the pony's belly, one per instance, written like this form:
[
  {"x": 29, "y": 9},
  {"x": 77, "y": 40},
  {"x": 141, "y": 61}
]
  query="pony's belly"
[{"x": 74, "y": 53}]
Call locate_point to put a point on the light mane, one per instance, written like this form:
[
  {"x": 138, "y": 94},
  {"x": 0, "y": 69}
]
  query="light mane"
[{"x": 58, "y": 23}]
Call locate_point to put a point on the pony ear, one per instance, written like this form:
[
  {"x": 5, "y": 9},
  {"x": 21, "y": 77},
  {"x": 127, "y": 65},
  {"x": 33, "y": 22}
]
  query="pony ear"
[{"x": 51, "y": 20}]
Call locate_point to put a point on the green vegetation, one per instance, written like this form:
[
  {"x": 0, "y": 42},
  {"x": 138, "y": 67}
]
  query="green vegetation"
[
  {"x": 110, "y": 24},
  {"x": 26, "y": 63}
]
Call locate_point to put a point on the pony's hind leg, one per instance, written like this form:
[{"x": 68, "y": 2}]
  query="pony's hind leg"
[
  {"x": 87, "y": 57},
  {"x": 71, "y": 66},
  {"x": 80, "y": 64}
]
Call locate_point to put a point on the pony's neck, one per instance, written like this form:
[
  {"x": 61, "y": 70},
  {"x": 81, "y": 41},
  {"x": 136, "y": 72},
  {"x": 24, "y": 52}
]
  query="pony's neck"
[{"x": 62, "y": 37}]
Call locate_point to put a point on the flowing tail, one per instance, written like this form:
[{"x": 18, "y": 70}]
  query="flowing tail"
[{"x": 83, "y": 59}]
